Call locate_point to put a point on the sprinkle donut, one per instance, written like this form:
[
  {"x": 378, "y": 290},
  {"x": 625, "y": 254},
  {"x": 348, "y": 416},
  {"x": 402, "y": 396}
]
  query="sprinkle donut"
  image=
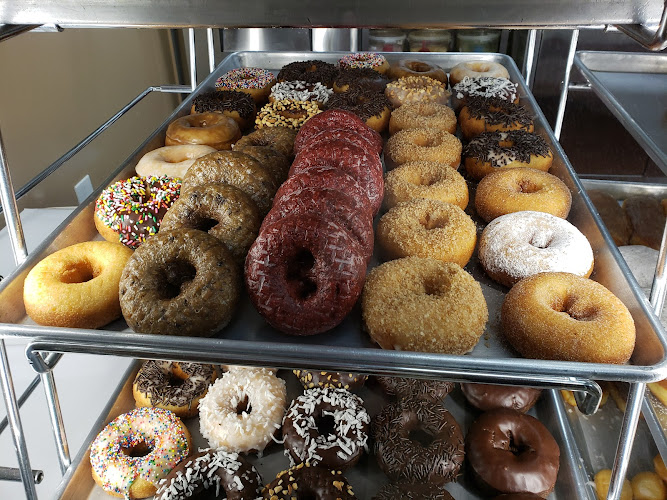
[
  {"x": 286, "y": 113},
  {"x": 238, "y": 106},
  {"x": 492, "y": 114},
  {"x": 171, "y": 161},
  {"x": 300, "y": 91},
  {"x": 254, "y": 81},
  {"x": 365, "y": 78},
  {"x": 309, "y": 481},
  {"x": 309, "y": 71},
  {"x": 372, "y": 60},
  {"x": 412, "y": 388},
  {"x": 333, "y": 380},
  {"x": 425, "y": 144}
]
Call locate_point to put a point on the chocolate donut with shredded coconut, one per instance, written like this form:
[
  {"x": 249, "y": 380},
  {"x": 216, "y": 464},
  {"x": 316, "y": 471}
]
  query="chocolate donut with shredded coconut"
[
  {"x": 327, "y": 427},
  {"x": 486, "y": 86},
  {"x": 298, "y": 90}
]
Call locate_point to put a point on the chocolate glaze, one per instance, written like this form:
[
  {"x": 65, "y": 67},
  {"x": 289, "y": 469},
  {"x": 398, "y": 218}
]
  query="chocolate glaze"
[
  {"x": 503, "y": 113},
  {"x": 365, "y": 103},
  {"x": 310, "y": 379},
  {"x": 309, "y": 72},
  {"x": 411, "y": 388},
  {"x": 490, "y": 397},
  {"x": 154, "y": 379},
  {"x": 487, "y": 149},
  {"x": 366, "y": 78},
  {"x": 412, "y": 492},
  {"x": 225, "y": 100},
  {"x": 310, "y": 482}
]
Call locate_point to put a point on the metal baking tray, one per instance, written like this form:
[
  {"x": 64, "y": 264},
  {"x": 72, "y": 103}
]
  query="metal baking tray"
[
  {"x": 249, "y": 339},
  {"x": 365, "y": 477}
]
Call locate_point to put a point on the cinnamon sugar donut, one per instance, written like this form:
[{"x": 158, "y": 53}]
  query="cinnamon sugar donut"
[
  {"x": 430, "y": 115},
  {"x": 424, "y": 144},
  {"x": 412, "y": 67},
  {"x": 416, "y": 89},
  {"x": 490, "y": 114},
  {"x": 476, "y": 69},
  {"x": 208, "y": 129}
]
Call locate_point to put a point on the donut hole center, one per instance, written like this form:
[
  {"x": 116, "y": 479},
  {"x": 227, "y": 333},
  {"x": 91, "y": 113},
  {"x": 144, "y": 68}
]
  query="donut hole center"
[
  {"x": 175, "y": 380},
  {"x": 292, "y": 114},
  {"x": 526, "y": 186},
  {"x": 419, "y": 435},
  {"x": 424, "y": 142},
  {"x": 326, "y": 425},
  {"x": 575, "y": 309},
  {"x": 419, "y": 67},
  {"x": 136, "y": 451},
  {"x": 175, "y": 275},
  {"x": 79, "y": 272},
  {"x": 433, "y": 221},
  {"x": 541, "y": 240},
  {"x": 243, "y": 406},
  {"x": 434, "y": 287},
  {"x": 306, "y": 493},
  {"x": 204, "y": 224},
  {"x": 515, "y": 447},
  {"x": 298, "y": 269},
  {"x": 426, "y": 180}
]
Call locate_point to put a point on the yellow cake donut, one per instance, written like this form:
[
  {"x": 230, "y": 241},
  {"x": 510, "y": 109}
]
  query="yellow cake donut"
[
  {"x": 566, "y": 317},
  {"x": 430, "y": 115},
  {"x": 427, "y": 228},
  {"x": 476, "y": 69},
  {"x": 208, "y": 129},
  {"x": 422, "y": 144},
  {"x": 425, "y": 179},
  {"x": 517, "y": 189},
  {"x": 416, "y": 89},
  {"x": 491, "y": 114}
]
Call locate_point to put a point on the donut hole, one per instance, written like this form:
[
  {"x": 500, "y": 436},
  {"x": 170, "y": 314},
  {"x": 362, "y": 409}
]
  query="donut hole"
[
  {"x": 297, "y": 273},
  {"x": 433, "y": 221},
  {"x": 137, "y": 450},
  {"x": 435, "y": 287},
  {"x": 418, "y": 67},
  {"x": 305, "y": 492},
  {"x": 243, "y": 406},
  {"x": 541, "y": 240},
  {"x": 204, "y": 224},
  {"x": 515, "y": 447},
  {"x": 175, "y": 275},
  {"x": 326, "y": 425},
  {"x": 175, "y": 381},
  {"x": 573, "y": 307},
  {"x": 293, "y": 114},
  {"x": 79, "y": 272},
  {"x": 527, "y": 186},
  {"x": 423, "y": 141},
  {"x": 421, "y": 436}
]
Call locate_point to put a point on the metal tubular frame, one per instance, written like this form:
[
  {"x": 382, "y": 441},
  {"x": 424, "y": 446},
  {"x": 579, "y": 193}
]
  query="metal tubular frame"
[
  {"x": 529, "y": 58},
  {"x": 656, "y": 40},
  {"x": 558, "y": 126}
]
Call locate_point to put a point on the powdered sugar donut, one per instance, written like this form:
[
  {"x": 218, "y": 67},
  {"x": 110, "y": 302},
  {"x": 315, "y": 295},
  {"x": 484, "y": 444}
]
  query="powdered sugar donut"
[
  {"x": 171, "y": 161},
  {"x": 521, "y": 244}
]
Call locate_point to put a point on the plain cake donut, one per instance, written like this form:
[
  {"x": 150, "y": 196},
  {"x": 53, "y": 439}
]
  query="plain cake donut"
[
  {"x": 171, "y": 161},
  {"x": 476, "y": 69},
  {"x": 425, "y": 144},
  {"x": 279, "y": 138}
]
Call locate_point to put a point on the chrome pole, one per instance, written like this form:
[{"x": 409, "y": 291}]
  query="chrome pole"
[
  {"x": 13, "y": 474},
  {"x": 193, "y": 58},
  {"x": 529, "y": 58},
  {"x": 11, "y": 209},
  {"x": 566, "y": 83},
  {"x": 56, "y": 416},
  {"x": 211, "y": 49}
]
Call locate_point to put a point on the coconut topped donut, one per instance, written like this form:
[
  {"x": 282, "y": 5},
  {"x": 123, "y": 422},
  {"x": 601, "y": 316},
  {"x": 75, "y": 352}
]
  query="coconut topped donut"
[
  {"x": 502, "y": 148},
  {"x": 298, "y": 90},
  {"x": 486, "y": 86}
]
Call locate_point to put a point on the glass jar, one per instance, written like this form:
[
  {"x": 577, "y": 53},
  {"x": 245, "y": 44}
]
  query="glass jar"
[
  {"x": 386, "y": 40},
  {"x": 477, "y": 40},
  {"x": 432, "y": 40}
]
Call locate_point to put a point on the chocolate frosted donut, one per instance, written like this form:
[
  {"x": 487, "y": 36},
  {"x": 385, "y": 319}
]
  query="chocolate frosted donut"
[
  {"x": 237, "y": 105},
  {"x": 489, "y": 397},
  {"x": 509, "y": 452},
  {"x": 366, "y": 78},
  {"x": 412, "y": 388},
  {"x": 412, "y": 492},
  {"x": 372, "y": 107},
  {"x": 490, "y": 114},
  {"x": 309, "y": 72},
  {"x": 485, "y": 86},
  {"x": 310, "y": 379},
  {"x": 418, "y": 442},
  {"x": 310, "y": 482}
]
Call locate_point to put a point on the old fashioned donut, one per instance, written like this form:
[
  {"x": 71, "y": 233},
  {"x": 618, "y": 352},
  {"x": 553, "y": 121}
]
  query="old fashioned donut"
[
  {"x": 405, "y": 459},
  {"x": 613, "y": 216},
  {"x": 274, "y": 161},
  {"x": 309, "y": 71},
  {"x": 429, "y": 115},
  {"x": 490, "y": 114},
  {"x": 416, "y": 89},
  {"x": 397, "y": 294},
  {"x": 348, "y": 427},
  {"x": 371, "y": 106},
  {"x": 279, "y": 138},
  {"x": 209, "y": 129},
  {"x": 309, "y": 481},
  {"x": 298, "y": 90},
  {"x": 476, "y": 69},
  {"x": 254, "y": 81},
  {"x": 487, "y": 397},
  {"x": 222, "y": 211},
  {"x": 517, "y": 189},
  {"x": 522, "y": 244},
  {"x": 425, "y": 179},
  {"x": 304, "y": 274},
  {"x": 366, "y": 78},
  {"x": 413, "y": 67},
  {"x": 286, "y": 113},
  {"x": 393, "y": 491},
  {"x": 412, "y": 388},
  {"x": 510, "y": 452},
  {"x": 238, "y": 106},
  {"x": 372, "y": 60},
  {"x": 425, "y": 144},
  {"x": 485, "y": 86},
  {"x": 131, "y": 210},
  {"x": 77, "y": 286},
  {"x": 567, "y": 317},
  {"x": 214, "y": 470},
  {"x": 335, "y": 380},
  {"x": 427, "y": 228},
  {"x": 155, "y": 430},
  {"x": 171, "y": 161},
  {"x": 180, "y": 282},
  {"x": 177, "y": 387}
]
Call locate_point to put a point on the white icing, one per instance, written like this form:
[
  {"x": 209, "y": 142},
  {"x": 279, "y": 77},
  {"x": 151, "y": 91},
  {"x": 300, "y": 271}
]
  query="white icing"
[
  {"x": 298, "y": 90},
  {"x": 486, "y": 86}
]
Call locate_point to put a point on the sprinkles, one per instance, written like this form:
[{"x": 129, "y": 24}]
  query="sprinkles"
[
  {"x": 362, "y": 60},
  {"x": 245, "y": 78}
]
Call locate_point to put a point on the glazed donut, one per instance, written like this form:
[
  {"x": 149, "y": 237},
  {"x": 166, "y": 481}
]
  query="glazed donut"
[
  {"x": 365, "y": 78},
  {"x": 596, "y": 326},
  {"x": 412, "y": 388},
  {"x": 311, "y": 481},
  {"x": 77, "y": 286},
  {"x": 131, "y": 210},
  {"x": 430, "y": 115},
  {"x": 286, "y": 113},
  {"x": 416, "y": 89},
  {"x": 487, "y": 397},
  {"x": 521, "y": 244},
  {"x": 486, "y": 86},
  {"x": 333, "y": 380},
  {"x": 309, "y": 71},
  {"x": 371, "y": 60},
  {"x": 171, "y": 161},
  {"x": 412, "y": 492},
  {"x": 254, "y": 81},
  {"x": 427, "y": 228},
  {"x": 477, "y": 69},
  {"x": 176, "y": 387},
  {"x": 425, "y": 179},
  {"x": 210, "y": 129},
  {"x": 427, "y": 145},
  {"x": 372, "y": 107},
  {"x": 343, "y": 445},
  {"x": 212, "y": 470},
  {"x": 279, "y": 138},
  {"x": 300, "y": 91},
  {"x": 118, "y": 472},
  {"x": 276, "y": 163},
  {"x": 397, "y": 295},
  {"x": 304, "y": 274},
  {"x": 243, "y": 410},
  {"x": 238, "y": 106},
  {"x": 517, "y": 189},
  {"x": 509, "y": 452},
  {"x": 407, "y": 460},
  {"x": 412, "y": 67},
  {"x": 180, "y": 282},
  {"x": 492, "y": 114}
]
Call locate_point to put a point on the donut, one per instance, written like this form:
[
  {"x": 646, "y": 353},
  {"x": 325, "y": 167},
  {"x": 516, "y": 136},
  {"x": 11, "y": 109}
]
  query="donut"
[
  {"x": 412, "y": 388},
  {"x": 155, "y": 430},
  {"x": 304, "y": 274},
  {"x": 659, "y": 466},
  {"x": 254, "y": 81},
  {"x": 603, "y": 478},
  {"x": 238, "y": 106},
  {"x": 596, "y": 326},
  {"x": 647, "y": 220},
  {"x": 309, "y": 71},
  {"x": 77, "y": 286},
  {"x": 214, "y": 470},
  {"x": 613, "y": 216},
  {"x": 311, "y": 482},
  {"x": 412, "y": 492},
  {"x": 342, "y": 134},
  {"x": 477, "y": 69},
  {"x": 333, "y": 380},
  {"x": 647, "y": 485},
  {"x": 425, "y": 144},
  {"x": 341, "y": 413},
  {"x": 435, "y": 459},
  {"x": 522, "y": 244},
  {"x": 279, "y": 138},
  {"x": 485, "y": 86},
  {"x": 490, "y": 114},
  {"x": 517, "y": 189},
  {"x": 412, "y": 67},
  {"x": 177, "y": 387},
  {"x": 209, "y": 129},
  {"x": 427, "y": 228},
  {"x": 366, "y": 78},
  {"x": 131, "y": 210},
  {"x": 300, "y": 91},
  {"x": 276, "y": 163},
  {"x": 372, "y": 60},
  {"x": 397, "y": 295},
  {"x": 243, "y": 410},
  {"x": 171, "y": 161},
  {"x": 426, "y": 114},
  {"x": 416, "y": 89},
  {"x": 180, "y": 282},
  {"x": 425, "y": 179},
  {"x": 518, "y": 496},
  {"x": 510, "y": 452},
  {"x": 286, "y": 113},
  {"x": 222, "y": 211},
  {"x": 487, "y": 397},
  {"x": 371, "y": 106}
]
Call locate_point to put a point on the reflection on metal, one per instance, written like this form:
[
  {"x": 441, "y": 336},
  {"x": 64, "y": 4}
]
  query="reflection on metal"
[
  {"x": 530, "y": 59},
  {"x": 193, "y": 58},
  {"x": 653, "y": 40},
  {"x": 579, "y": 86},
  {"x": 210, "y": 49},
  {"x": 335, "y": 39},
  {"x": 274, "y": 39},
  {"x": 14, "y": 474},
  {"x": 57, "y": 424},
  {"x": 558, "y": 126},
  {"x": 8, "y": 31}
]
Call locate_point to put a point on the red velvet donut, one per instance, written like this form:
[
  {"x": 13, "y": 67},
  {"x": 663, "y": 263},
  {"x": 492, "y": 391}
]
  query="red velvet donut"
[
  {"x": 343, "y": 134},
  {"x": 304, "y": 274}
]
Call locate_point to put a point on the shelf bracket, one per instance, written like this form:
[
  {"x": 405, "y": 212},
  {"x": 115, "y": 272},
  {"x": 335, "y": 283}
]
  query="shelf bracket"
[{"x": 652, "y": 40}]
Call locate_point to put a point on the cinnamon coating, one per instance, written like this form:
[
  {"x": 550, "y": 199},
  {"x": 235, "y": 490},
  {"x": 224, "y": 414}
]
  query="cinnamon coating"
[{"x": 423, "y": 144}]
